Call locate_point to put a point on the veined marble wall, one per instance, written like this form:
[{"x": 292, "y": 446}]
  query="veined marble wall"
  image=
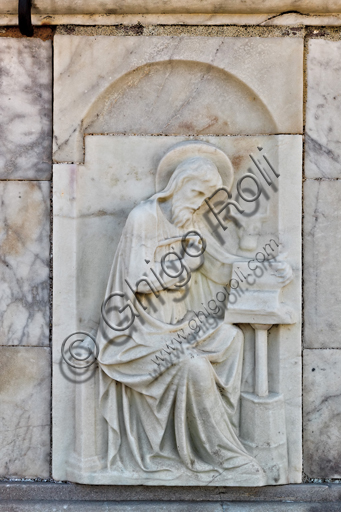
[
  {"x": 25, "y": 188},
  {"x": 212, "y": 89},
  {"x": 322, "y": 245}
]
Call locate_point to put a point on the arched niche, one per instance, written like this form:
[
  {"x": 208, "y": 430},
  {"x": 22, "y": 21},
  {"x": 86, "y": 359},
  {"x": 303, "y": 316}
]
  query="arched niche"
[{"x": 179, "y": 98}]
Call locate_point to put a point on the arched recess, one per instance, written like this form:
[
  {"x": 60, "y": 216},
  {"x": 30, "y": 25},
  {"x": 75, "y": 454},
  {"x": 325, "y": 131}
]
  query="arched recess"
[{"x": 179, "y": 97}]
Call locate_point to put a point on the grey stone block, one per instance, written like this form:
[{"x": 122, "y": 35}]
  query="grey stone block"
[
  {"x": 25, "y": 109},
  {"x": 322, "y": 276},
  {"x": 321, "y": 413},
  {"x": 322, "y": 141},
  {"x": 54, "y": 491},
  {"x": 25, "y": 412},
  {"x": 24, "y": 262}
]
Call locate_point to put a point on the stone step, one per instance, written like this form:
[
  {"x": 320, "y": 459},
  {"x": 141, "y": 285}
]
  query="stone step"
[{"x": 163, "y": 506}]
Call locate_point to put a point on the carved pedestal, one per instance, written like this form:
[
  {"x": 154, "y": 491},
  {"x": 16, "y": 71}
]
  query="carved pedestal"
[{"x": 263, "y": 433}]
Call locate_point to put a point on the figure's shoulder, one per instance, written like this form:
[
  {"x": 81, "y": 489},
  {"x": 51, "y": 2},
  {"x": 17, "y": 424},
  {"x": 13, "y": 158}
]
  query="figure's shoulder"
[{"x": 144, "y": 212}]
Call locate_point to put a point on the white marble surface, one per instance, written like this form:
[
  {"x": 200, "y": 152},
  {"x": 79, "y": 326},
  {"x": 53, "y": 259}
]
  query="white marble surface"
[
  {"x": 323, "y": 124},
  {"x": 146, "y": 19},
  {"x": 269, "y": 19},
  {"x": 25, "y": 109},
  {"x": 91, "y": 204},
  {"x": 24, "y": 264},
  {"x": 25, "y": 377},
  {"x": 177, "y": 6},
  {"x": 174, "y": 85},
  {"x": 322, "y": 278},
  {"x": 322, "y": 408}
]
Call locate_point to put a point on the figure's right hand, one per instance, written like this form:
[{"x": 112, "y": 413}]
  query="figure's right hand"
[{"x": 283, "y": 272}]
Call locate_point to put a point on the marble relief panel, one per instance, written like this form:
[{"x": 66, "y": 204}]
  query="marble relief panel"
[
  {"x": 142, "y": 144},
  {"x": 25, "y": 109},
  {"x": 25, "y": 262}
]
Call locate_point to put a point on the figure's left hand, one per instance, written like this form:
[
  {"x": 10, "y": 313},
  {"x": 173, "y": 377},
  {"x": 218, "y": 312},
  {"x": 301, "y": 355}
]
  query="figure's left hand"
[
  {"x": 282, "y": 272},
  {"x": 194, "y": 247}
]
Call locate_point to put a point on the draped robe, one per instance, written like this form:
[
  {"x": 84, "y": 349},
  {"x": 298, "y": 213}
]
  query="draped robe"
[{"x": 172, "y": 413}]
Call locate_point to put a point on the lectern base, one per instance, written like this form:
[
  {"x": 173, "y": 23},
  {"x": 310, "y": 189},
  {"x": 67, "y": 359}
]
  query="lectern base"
[{"x": 263, "y": 433}]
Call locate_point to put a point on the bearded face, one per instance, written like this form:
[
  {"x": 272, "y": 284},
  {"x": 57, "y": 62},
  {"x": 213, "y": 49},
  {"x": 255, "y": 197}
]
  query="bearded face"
[
  {"x": 182, "y": 215},
  {"x": 189, "y": 197}
]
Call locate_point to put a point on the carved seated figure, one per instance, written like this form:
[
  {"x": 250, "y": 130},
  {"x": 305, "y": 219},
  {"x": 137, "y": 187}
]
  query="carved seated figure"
[{"x": 170, "y": 365}]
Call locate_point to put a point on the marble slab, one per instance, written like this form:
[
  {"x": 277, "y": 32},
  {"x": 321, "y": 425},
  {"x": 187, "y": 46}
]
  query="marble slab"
[
  {"x": 171, "y": 6},
  {"x": 323, "y": 118},
  {"x": 25, "y": 262},
  {"x": 321, "y": 413},
  {"x": 322, "y": 279},
  {"x": 25, "y": 412},
  {"x": 269, "y": 19},
  {"x": 25, "y": 109},
  {"x": 91, "y": 205},
  {"x": 174, "y": 86}
]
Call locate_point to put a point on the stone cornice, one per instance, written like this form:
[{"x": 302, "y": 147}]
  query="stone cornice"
[{"x": 55, "y": 7}]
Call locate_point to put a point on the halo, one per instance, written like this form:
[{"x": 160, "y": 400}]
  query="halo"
[{"x": 188, "y": 149}]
